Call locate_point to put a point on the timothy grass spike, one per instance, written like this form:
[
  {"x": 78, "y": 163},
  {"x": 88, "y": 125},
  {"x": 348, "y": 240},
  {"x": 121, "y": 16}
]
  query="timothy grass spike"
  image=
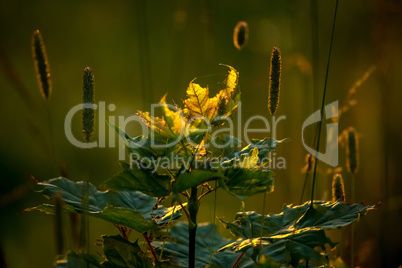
[
  {"x": 88, "y": 114},
  {"x": 274, "y": 80},
  {"x": 240, "y": 35},
  {"x": 41, "y": 65},
  {"x": 338, "y": 188},
  {"x": 352, "y": 151}
]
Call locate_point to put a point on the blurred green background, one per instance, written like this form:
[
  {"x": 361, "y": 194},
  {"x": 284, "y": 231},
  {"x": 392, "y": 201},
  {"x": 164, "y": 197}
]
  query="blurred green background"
[{"x": 139, "y": 50}]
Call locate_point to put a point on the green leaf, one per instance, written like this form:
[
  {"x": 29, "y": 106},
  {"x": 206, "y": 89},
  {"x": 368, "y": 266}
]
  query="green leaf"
[
  {"x": 139, "y": 179},
  {"x": 78, "y": 260},
  {"x": 266, "y": 262},
  {"x": 208, "y": 241},
  {"x": 295, "y": 233},
  {"x": 243, "y": 182},
  {"x": 331, "y": 215},
  {"x": 141, "y": 147},
  {"x": 131, "y": 209},
  {"x": 120, "y": 253},
  {"x": 223, "y": 145},
  {"x": 264, "y": 147},
  {"x": 289, "y": 248},
  {"x": 194, "y": 178},
  {"x": 126, "y": 217},
  {"x": 248, "y": 224}
]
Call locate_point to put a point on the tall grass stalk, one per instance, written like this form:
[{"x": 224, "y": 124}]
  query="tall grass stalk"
[
  {"x": 323, "y": 104},
  {"x": 59, "y": 211},
  {"x": 52, "y": 144},
  {"x": 315, "y": 56},
  {"x": 307, "y": 170},
  {"x": 88, "y": 125},
  {"x": 273, "y": 104},
  {"x": 43, "y": 76},
  {"x": 143, "y": 51},
  {"x": 352, "y": 164},
  {"x": 214, "y": 222}
]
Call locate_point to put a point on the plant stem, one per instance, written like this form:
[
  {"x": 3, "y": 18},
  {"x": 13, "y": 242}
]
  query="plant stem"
[
  {"x": 192, "y": 226},
  {"x": 352, "y": 231},
  {"x": 322, "y": 105},
  {"x": 262, "y": 222},
  {"x": 49, "y": 123},
  {"x": 238, "y": 259},
  {"x": 304, "y": 188},
  {"x": 150, "y": 246},
  {"x": 214, "y": 221},
  {"x": 143, "y": 51}
]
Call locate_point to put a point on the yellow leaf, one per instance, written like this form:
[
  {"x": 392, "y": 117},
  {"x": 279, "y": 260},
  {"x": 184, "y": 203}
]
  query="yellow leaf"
[
  {"x": 230, "y": 83},
  {"x": 198, "y": 102},
  {"x": 228, "y": 97},
  {"x": 174, "y": 119},
  {"x": 171, "y": 125},
  {"x": 251, "y": 160}
]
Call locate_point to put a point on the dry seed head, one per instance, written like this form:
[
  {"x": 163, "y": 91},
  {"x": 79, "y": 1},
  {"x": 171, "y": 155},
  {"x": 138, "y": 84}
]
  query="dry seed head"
[
  {"x": 274, "y": 80},
  {"x": 41, "y": 65},
  {"x": 88, "y": 114},
  {"x": 352, "y": 151},
  {"x": 240, "y": 35},
  {"x": 338, "y": 188}
]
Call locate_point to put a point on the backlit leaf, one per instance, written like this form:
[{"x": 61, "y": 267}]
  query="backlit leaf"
[
  {"x": 194, "y": 178},
  {"x": 293, "y": 234},
  {"x": 136, "y": 178},
  {"x": 121, "y": 253},
  {"x": 208, "y": 241},
  {"x": 132, "y": 209},
  {"x": 198, "y": 102}
]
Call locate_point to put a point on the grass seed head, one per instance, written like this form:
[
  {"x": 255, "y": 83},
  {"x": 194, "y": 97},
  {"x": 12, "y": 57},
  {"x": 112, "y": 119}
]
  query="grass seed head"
[
  {"x": 88, "y": 114},
  {"x": 338, "y": 188},
  {"x": 352, "y": 151},
  {"x": 41, "y": 65},
  {"x": 274, "y": 80},
  {"x": 240, "y": 35}
]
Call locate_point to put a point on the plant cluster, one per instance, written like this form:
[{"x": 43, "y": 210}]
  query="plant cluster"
[{"x": 135, "y": 200}]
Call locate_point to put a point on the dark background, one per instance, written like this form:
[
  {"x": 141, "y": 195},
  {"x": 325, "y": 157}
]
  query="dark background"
[{"x": 140, "y": 50}]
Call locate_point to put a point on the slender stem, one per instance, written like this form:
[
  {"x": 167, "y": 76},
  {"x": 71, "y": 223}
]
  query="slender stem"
[
  {"x": 315, "y": 45},
  {"x": 192, "y": 226},
  {"x": 304, "y": 188},
  {"x": 352, "y": 231},
  {"x": 322, "y": 104},
  {"x": 341, "y": 244},
  {"x": 87, "y": 213},
  {"x": 167, "y": 229},
  {"x": 143, "y": 51},
  {"x": 150, "y": 246},
  {"x": 208, "y": 192},
  {"x": 183, "y": 208},
  {"x": 238, "y": 259},
  {"x": 214, "y": 220},
  {"x": 263, "y": 214},
  {"x": 49, "y": 124}
]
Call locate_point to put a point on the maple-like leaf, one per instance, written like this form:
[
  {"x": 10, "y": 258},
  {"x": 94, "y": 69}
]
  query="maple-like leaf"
[
  {"x": 171, "y": 125},
  {"x": 230, "y": 83},
  {"x": 199, "y": 103}
]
